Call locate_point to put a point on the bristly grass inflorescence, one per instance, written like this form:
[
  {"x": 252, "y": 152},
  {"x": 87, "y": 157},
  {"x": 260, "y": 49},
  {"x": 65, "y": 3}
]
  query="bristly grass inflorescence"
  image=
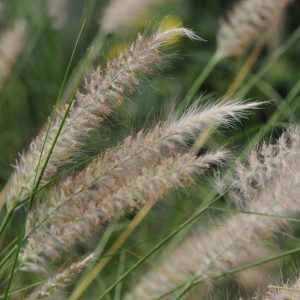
[
  {"x": 61, "y": 279},
  {"x": 268, "y": 184},
  {"x": 87, "y": 201},
  {"x": 93, "y": 201},
  {"x": 104, "y": 89},
  {"x": 248, "y": 19}
]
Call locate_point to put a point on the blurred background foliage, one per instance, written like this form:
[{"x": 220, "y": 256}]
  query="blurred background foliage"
[{"x": 29, "y": 95}]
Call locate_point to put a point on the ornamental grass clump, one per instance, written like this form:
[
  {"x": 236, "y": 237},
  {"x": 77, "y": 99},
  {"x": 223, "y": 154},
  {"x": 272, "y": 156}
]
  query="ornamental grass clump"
[
  {"x": 99, "y": 204},
  {"x": 127, "y": 175},
  {"x": 116, "y": 182},
  {"x": 104, "y": 89},
  {"x": 268, "y": 184}
]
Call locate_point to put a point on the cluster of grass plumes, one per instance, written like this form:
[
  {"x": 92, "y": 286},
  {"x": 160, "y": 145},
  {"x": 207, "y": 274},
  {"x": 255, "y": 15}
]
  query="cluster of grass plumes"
[
  {"x": 105, "y": 188},
  {"x": 98, "y": 204},
  {"x": 267, "y": 185},
  {"x": 143, "y": 168},
  {"x": 104, "y": 90}
]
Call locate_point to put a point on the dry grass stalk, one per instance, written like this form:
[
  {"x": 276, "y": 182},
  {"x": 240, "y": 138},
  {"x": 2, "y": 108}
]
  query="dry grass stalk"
[
  {"x": 62, "y": 279},
  {"x": 270, "y": 184},
  {"x": 119, "y": 13},
  {"x": 114, "y": 169},
  {"x": 245, "y": 23},
  {"x": 104, "y": 90},
  {"x": 12, "y": 43}
]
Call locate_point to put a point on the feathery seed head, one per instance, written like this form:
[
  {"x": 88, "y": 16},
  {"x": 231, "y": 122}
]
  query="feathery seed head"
[{"x": 245, "y": 23}]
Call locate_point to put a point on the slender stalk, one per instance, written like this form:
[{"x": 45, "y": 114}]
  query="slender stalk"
[
  {"x": 22, "y": 289},
  {"x": 7, "y": 247},
  {"x": 256, "y": 213},
  {"x": 247, "y": 66},
  {"x": 269, "y": 91},
  {"x": 8, "y": 256},
  {"x": 283, "y": 288},
  {"x": 6, "y": 220},
  {"x": 238, "y": 80},
  {"x": 121, "y": 269}
]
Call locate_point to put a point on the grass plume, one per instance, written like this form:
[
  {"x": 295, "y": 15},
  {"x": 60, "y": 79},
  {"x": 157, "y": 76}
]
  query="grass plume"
[
  {"x": 88, "y": 190},
  {"x": 131, "y": 183},
  {"x": 92, "y": 209}
]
